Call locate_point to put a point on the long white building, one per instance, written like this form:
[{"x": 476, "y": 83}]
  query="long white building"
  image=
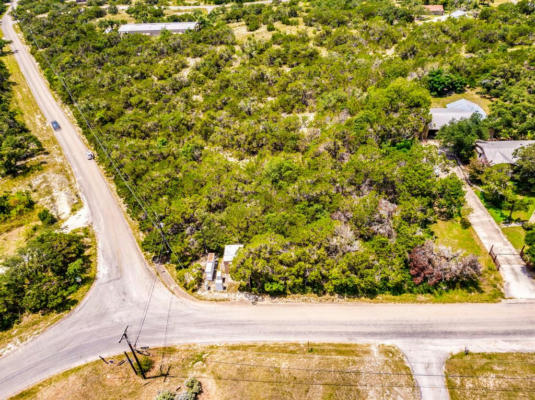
[{"x": 158, "y": 27}]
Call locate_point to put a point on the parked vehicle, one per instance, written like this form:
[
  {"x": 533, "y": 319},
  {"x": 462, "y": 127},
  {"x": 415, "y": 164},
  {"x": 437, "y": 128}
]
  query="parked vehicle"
[
  {"x": 90, "y": 155},
  {"x": 55, "y": 125}
]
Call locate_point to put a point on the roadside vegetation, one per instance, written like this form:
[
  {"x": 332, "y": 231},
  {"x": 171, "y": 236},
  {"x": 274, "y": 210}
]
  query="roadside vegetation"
[
  {"x": 301, "y": 142},
  {"x": 497, "y": 376},
  {"x": 246, "y": 371},
  {"x": 43, "y": 271}
]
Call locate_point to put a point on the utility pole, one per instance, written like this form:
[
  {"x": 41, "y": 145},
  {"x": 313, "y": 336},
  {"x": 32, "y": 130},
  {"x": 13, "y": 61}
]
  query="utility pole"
[{"x": 125, "y": 336}]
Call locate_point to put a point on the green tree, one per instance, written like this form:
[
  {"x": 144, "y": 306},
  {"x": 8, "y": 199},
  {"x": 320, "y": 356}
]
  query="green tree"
[
  {"x": 461, "y": 136},
  {"x": 394, "y": 114},
  {"x": 450, "y": 197},
  {"x": 524, "y": 170},
  {"x": 441, "y": 83}
]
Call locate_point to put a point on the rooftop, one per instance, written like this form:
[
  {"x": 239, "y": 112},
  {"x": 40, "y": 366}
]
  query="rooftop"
[
  {"x": 500, "y": 151},
  {"x": 443, "y": 116},
  {"x": 157, "y": 27},
  {"x": 434, "y": 7},
  {"x": 455, "y": 111},
  {"x": 230, "y": 251}
]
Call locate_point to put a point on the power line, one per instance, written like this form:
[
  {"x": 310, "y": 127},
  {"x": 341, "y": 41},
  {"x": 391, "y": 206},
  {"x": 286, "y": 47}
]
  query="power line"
[
  {"x": 147, "y": 303},
  {"x": 171, "y": 297},
  {"x": 362, "y": 372},
  {"x": 354, "y": 385},
  {"x": 146, "y": 209},
  {"x": 310, "y": 355}
]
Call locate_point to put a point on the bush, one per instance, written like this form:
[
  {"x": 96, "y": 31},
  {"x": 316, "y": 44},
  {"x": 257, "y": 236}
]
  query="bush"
[
  {"x": 146, "y": 364},
  {"x": 194, "y": 388},
  {"x": 46, "y": 217},
  {"x": 253, "y": 23},
  {"x": 434, "y": 266},
  {"x": 530, "y": 238},
  {"x": 13, "y": 205},
  {"x": 465, "y": 222},
  {"x": 165, "y": 395}
]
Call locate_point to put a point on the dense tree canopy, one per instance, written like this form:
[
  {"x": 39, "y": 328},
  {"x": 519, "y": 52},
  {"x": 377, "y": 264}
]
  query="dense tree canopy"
[
  {"x": 296, "y": 138},
  {"x": 42, "y": 276},
  {"x": 17, "y": 144}
]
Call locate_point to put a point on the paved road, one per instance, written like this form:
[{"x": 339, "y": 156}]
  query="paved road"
[{"x": 425, "y": 333}]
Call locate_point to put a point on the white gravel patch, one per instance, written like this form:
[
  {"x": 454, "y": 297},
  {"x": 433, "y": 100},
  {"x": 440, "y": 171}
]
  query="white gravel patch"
[{"x": 78, "y": 220}]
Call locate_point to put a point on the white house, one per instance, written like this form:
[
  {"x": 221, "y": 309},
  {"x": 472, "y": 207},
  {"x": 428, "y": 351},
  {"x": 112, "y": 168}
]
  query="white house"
[{"x": 157, "y": 28}]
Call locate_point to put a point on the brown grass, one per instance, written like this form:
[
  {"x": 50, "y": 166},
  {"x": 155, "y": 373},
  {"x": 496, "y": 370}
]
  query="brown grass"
[
  {"x": 497, "y": 376},
  {"x": 251, "y": 371}
]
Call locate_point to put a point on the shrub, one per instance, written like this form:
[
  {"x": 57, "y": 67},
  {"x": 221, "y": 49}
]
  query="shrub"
[
  {"x": 194, "y": 388},
  {"x": 46, "y": 217},
  {"x": 530, "y": 238},
  {"x": 433, "y": 266},
  {"x": 165, "y": 395},
  {"x": 146, "y": 364}
]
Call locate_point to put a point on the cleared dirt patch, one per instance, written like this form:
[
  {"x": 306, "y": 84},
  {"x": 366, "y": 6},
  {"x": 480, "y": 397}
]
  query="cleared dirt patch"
[
  {"x": 491, "y": 376},
  {"x": 252, "y": 371}
]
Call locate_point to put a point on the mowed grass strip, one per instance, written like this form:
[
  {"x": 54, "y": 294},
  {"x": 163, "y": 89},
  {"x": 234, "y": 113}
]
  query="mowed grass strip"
[
  {"x": 497, "y": 376},
  {"x": 452, "y": 234},
  {"x": 248, "y": 371}
]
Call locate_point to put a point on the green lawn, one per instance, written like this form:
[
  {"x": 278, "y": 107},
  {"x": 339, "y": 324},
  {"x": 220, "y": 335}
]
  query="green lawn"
[
  {"x": 452, "y": 234},
  {"x": 516, "y": 235}
]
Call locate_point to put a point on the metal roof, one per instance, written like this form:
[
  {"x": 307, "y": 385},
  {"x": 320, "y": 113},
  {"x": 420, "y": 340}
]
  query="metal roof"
[
  {"x": 500, "y": 151},
  {"x": 230, "y": 252},
  {"x": 466, "y": 105},
  {"x": 157, "y": 27},
  {"x": 443, "y": 116},
  {"x": 455, "y": 111}
]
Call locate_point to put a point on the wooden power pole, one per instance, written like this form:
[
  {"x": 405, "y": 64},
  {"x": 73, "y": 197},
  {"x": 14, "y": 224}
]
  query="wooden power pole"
[{"x": 125, "y": 337}]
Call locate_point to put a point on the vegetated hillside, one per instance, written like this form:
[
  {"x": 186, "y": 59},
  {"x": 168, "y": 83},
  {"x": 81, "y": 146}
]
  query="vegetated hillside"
[{"x": 290, "y": 128}]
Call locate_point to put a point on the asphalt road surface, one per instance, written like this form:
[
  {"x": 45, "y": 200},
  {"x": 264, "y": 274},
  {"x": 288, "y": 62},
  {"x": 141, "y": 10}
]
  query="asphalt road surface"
[{"x": 425, "y": 333}]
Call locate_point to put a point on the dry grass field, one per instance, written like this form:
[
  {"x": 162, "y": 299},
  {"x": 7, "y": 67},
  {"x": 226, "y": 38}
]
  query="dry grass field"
[
  {"x": 496, "y": 376},
  {"x": 248, "y": 371}
]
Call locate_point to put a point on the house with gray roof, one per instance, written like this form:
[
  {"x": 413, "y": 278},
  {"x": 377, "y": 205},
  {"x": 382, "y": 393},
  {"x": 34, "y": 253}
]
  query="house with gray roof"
[
  {"x": 500, "y": 151},
  {"x": 453, "y": 112}
]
